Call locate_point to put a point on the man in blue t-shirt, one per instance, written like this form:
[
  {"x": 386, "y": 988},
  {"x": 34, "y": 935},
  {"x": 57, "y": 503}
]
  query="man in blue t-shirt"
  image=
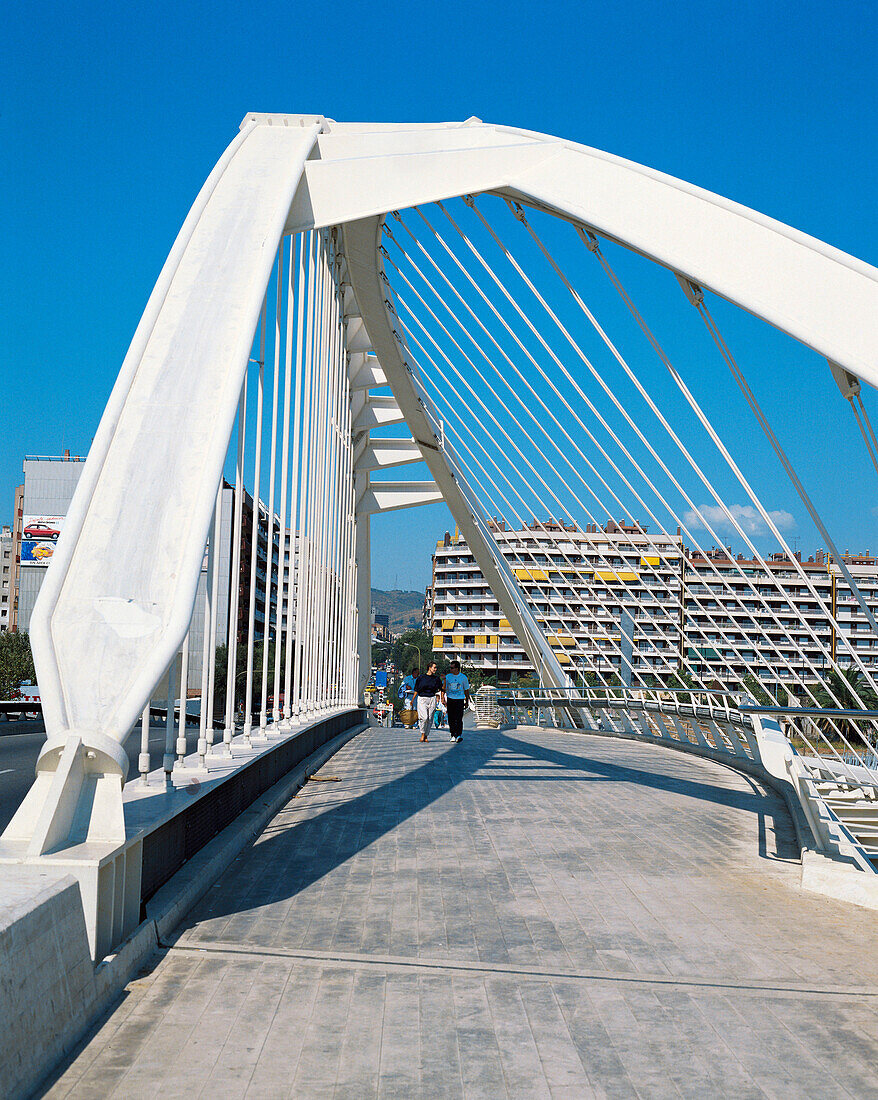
[{"x": 457, "y": 693}]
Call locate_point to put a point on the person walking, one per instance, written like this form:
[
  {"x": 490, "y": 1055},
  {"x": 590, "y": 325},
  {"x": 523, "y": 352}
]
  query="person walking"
[
  {"x": 427, "y": 688},
  {"x": 408, "y": 687},
  {"x": 457, "y": 697}
]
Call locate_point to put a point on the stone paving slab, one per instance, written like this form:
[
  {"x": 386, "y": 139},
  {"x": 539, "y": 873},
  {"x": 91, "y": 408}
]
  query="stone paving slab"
[{"x": 525, "y": 914}]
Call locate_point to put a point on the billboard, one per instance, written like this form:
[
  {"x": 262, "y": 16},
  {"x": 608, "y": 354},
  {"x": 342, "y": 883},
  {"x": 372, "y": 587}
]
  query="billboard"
[{"x": 38, "y": 537}]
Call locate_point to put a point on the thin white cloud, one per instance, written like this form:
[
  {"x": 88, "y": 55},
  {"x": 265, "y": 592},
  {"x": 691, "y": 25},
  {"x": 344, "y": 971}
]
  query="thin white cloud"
[{"x": 746, "y": 516}]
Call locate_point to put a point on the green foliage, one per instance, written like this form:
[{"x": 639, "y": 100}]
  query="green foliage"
[
  {"x": 851, "y": 691},
  {"x": 681, "y": 678},
  {"x": 222, "y": 662},
  {"x": 16, "y": 663},
  {"x": 679, "y": 682},
  {"x": 756, "y": 691},
  {"x": 409, "y": 659}
]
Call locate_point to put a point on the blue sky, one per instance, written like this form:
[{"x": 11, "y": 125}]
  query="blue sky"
[{"x": 112, "y": 115}]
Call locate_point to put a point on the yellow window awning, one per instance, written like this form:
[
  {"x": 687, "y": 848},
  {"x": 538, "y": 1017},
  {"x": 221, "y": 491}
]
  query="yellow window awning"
[
  {"x": 562, "y": 639},
  {"x": 563, "y": 658},
  {"x": 503, "y": 624},
  {"x": 611, "y": 576},
  {"x": 447, "y": 624},
  {"x": 649, "y": 559},
  {"x": 493, "y": 639},
  {"x": 457, "y": 639},
  {"x": 438, "y": 641},
  {"x": 531, "y": 574},
  {"x": 481, "y": 639}
]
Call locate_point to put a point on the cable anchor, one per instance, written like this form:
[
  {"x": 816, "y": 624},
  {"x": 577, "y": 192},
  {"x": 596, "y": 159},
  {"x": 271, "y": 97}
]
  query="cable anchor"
[
  {"x": 692, "y": 290},
  {"x": 589, "y": 239}
]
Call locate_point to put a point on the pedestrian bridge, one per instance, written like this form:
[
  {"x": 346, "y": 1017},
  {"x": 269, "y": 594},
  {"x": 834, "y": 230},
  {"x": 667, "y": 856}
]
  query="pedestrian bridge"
[
  {"x": 528, "y": 913},
  {"x": 549, "y": 337}
]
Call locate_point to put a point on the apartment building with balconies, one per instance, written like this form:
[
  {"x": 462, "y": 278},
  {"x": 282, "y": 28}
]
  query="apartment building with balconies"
[{"x": 594, "y": 591}]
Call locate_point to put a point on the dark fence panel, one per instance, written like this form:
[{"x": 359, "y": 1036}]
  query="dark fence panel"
[{"x": 167, "y": 848}]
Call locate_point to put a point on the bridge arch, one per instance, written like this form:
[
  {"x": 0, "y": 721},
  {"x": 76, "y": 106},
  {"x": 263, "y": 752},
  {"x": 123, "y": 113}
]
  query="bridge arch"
[{"x": 172, "y": 411}]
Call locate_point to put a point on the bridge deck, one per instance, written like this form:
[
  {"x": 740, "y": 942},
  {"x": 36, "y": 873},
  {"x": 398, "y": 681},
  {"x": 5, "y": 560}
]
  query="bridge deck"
[{"x": 526, "y": 914}]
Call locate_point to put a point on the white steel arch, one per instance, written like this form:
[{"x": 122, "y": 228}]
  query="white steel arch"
[{"x": 285, "y": 173}]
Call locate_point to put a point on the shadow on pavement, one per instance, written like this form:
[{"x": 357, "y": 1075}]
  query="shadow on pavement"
[{"x": 291, "y": 856}]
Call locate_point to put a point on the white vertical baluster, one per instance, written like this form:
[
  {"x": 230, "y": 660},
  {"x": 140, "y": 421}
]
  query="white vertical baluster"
[
  {"x": 235, "y": 577},
  {"x": 328, "y": 478},
  {"x": 283, "y": 572},
  {"x": 316, "y": 495},
  {"x": 184, "y": 692},
  {"x": 168, "y": 758},
  {"x": 213, "y": 580},
  {"x": 266, "y": 634},
  {"x": 306, "y": 294},
  {"x": 254, "y": 535},
  {"x": 321, "y": 532},
  {"x": 143, "y": 759},
  {"x": 207, "y": 646},
  {"x": 335, "y": 660},
  {"x": 294, "y": 492}
]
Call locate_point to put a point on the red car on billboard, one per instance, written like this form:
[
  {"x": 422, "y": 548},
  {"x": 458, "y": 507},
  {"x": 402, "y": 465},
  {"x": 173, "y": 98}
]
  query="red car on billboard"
[{"x": 40, "y": 531}]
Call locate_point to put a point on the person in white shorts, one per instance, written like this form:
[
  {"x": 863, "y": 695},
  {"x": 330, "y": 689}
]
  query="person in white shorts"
[{"x": 427, "y": 688}]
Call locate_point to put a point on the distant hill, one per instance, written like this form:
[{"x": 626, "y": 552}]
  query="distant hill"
[{"x": 403, "y": 609}]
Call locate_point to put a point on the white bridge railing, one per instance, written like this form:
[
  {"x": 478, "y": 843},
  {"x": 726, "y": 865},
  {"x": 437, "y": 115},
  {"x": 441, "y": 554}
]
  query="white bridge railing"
[{"x": 837, "y": 792}]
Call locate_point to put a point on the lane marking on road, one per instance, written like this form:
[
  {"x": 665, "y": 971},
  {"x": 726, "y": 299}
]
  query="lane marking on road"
[{"x": 6, "y": 771}]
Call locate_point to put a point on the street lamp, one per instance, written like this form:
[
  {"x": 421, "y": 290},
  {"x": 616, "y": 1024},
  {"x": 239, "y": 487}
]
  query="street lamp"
[{"x": 415, "y": 648}]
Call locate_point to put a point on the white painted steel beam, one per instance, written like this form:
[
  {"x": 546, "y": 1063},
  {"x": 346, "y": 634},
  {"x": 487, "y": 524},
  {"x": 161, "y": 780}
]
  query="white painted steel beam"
[
  {"x": 389, "y": 496},
  {"x": 165, "y": 428},
  {"x": 381, "y": 454},
  {"x": 816, "y": 293},
  {"x": 365, "y": 372},
  {"x": 376, "y": 412}
]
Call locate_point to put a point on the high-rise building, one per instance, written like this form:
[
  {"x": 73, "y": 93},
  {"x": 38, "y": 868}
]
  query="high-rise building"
[
  {"x": 427, "y": 610},
  {"x": 579, "y": 584},
  {"x": 17, "y": 523},
  {"x": 603, "y": 592},
  {"x": 41, "y": 507},
  {"x": 7, "y": 556}
]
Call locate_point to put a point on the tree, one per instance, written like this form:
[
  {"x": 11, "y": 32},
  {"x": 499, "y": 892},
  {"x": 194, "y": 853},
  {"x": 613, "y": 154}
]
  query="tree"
[
  {"x": 222, "y": 663},
  {"x": 751, "y": 685},
  {"x": 405, "y": 657},
  {"x": 852, "y": 691},
  {"x": 680, "y": 682},
  {"x": 16, "y": 663}
]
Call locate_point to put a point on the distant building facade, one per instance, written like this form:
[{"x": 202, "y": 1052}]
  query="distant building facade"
[
  {"x": 721, "y": 616},
  {"x": 7, "y": 565},
  {"x": 17, "y": 522},
  {"x": 427, "y": 610},
  {"x": 49, "y": 484}
]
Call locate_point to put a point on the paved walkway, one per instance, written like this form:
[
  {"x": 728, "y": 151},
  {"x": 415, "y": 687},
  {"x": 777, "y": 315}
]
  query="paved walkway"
[{"x": 526, "y": 914}]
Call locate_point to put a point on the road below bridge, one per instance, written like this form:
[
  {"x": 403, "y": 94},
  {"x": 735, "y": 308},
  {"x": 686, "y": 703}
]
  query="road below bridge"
[
  {"x": 20, "y": 745},
  {"x": 525, "y": 914}
]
